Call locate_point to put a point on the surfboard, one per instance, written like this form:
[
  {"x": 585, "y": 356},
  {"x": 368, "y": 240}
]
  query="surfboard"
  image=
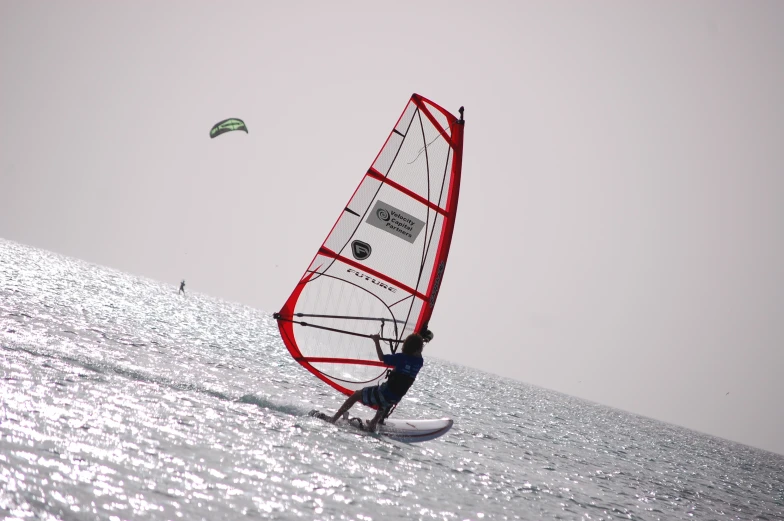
[
  {"x": 380, "y": 269},
  {"x": 408, "y": 431}
]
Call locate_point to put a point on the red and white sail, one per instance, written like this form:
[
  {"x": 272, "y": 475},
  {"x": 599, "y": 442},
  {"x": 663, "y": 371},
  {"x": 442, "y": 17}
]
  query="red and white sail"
[{"x": 382, "y": 265}]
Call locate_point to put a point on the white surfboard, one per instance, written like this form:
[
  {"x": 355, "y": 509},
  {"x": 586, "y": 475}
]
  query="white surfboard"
[
  {"x": 408, "y": 431},
  {"x": 413, "y": 431}
]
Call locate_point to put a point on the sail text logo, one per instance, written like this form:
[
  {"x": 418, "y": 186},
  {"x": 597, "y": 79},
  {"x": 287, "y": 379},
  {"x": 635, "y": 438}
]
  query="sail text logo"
[
  {"x": 371, "y": 279},
  {"x": 397, "y": 222}
]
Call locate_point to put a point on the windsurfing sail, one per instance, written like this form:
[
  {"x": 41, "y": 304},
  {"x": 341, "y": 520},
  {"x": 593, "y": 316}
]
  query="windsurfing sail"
[
  {"x": 227, "y": 125},
  {"x": 382, "y": 265}
]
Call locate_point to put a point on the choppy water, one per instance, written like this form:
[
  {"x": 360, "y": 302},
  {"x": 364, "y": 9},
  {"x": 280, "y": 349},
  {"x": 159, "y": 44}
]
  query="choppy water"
[{"x": 123, "y": 400}]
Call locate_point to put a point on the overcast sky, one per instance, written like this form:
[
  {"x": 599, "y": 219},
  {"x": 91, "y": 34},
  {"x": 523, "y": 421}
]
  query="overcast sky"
[{"x": 620, "y": 235}]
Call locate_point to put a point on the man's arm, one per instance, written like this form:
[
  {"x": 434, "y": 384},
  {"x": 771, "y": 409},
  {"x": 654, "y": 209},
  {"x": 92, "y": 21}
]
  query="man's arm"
[{"x": 379, "y": 352}]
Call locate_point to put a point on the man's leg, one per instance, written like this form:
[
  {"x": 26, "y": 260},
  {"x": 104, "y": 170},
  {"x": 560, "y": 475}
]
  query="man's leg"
[
  {"x": 377, "y": 418},
  {"x": 354, "y": 398}
]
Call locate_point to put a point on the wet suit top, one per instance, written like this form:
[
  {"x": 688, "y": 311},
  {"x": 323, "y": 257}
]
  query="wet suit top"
[{"x": 404, "y": 372}]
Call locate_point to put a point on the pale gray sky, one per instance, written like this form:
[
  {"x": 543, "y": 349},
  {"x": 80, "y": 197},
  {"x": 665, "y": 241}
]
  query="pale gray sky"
[{"x": 620, "y": 235}]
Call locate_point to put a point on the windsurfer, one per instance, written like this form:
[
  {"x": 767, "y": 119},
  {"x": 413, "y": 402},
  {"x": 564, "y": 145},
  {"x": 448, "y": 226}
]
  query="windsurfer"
[{"x": 405, "y": 367}]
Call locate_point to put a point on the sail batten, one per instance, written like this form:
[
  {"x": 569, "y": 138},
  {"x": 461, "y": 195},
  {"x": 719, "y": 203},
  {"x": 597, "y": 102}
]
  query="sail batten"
[
  {"x": 373, "y": 273},
  {"x": 380, "y": 268},
  {"x": 433, "y": 206}
]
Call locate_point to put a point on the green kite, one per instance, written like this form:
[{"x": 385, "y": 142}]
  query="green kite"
[{"x": 227, "y": 125}]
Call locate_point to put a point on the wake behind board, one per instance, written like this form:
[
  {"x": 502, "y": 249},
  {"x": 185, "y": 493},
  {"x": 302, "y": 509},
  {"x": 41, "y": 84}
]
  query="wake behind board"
[{"x": 408, "y": 431}]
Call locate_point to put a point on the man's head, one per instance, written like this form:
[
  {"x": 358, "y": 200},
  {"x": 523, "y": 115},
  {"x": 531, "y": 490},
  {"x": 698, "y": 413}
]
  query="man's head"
[{"x": 413, "y": 344}]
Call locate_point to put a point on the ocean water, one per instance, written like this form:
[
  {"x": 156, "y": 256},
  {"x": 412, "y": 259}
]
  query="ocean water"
[{"x": 123, "y": 400}]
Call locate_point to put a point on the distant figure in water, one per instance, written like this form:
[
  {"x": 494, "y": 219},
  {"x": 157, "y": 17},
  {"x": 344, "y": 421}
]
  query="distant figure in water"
[{"x": 182, "y": 287}]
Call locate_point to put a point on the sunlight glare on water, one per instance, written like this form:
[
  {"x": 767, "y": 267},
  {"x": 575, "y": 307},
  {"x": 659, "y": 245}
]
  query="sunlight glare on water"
[{"x": 125, "y": 400}]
